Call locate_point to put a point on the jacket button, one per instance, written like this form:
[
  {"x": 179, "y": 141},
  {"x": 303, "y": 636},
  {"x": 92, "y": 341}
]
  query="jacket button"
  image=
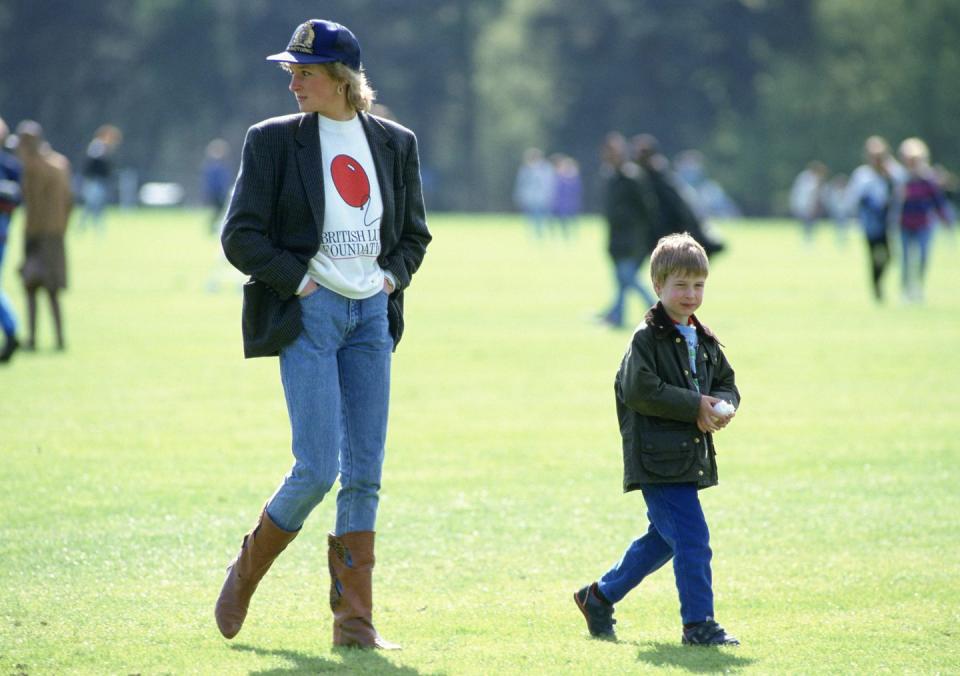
[
  {"x": 686, "y": 372},
  {"x": 700, "y": 473},
  {"x": 678, "y": 340},
  {"x": 696, "y": 440}
]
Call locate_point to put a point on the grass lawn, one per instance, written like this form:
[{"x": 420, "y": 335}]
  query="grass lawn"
[{"x": 133, "y": 463}]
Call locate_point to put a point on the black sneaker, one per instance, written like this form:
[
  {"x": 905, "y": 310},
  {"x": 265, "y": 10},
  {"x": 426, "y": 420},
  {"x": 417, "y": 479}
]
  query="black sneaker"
[
  {"x": 598, "y": 612},
  {"x": 9, "y": 348},
  {"x": 707, "y": 633}
]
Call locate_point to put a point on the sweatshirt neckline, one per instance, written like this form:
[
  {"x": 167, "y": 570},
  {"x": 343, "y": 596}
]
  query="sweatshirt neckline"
[{"x": 337, "y": 126}]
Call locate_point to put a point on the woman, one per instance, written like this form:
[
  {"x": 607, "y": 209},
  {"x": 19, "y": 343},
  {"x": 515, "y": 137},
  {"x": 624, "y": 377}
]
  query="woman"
[
  {"x": 48, "y": 201},
  {"x": 97, "y": 174},
  {"x": 327, "y": 219}
]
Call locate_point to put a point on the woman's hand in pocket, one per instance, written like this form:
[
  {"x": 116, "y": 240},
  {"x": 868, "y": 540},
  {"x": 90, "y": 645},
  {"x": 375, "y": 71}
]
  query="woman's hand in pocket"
[{"x": 309, "y": 289}]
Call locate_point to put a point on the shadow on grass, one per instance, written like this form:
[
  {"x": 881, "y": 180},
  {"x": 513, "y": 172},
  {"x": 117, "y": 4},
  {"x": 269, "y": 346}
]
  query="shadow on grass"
[
  {"x": 697, "y": 659},
  {"x": 355, "y": 661}
]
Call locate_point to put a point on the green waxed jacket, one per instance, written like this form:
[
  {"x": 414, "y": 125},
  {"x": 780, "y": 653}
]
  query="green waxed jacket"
[{"x": 658, "y": 404}]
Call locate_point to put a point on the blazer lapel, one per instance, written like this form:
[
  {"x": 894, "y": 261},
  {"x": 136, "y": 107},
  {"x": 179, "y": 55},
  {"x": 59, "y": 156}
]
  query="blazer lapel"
[
  {"x": 311, "y": 165},
  {"x": 384, "y": 156}
]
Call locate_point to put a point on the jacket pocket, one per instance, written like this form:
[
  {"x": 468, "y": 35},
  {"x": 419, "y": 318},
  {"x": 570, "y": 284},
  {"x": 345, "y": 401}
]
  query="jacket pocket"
[
  {"x": 668, "y": 453},
  {"x": 268, "y": 322}
]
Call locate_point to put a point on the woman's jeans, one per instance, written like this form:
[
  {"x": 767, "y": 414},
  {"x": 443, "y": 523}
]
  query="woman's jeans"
[
  {"x": 95, "y": 193},
  {"x": 336, "y": 378},
  {"x": 677, "y": 530}
]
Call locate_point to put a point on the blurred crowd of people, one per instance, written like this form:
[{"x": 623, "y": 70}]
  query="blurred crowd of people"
[
  {"x": 40, "y": 181},
  {"x": 645, "y": 198},
  {"x": 887, "y": 194},
  {"x": 549, "y": 192}
]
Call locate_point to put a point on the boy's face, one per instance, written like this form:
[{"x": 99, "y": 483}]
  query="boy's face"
[{"x": 681, "y": 295}]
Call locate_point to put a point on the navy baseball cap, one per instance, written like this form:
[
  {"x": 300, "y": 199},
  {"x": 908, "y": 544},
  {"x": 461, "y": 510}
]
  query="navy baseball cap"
[{"x": 321, "y": 41}]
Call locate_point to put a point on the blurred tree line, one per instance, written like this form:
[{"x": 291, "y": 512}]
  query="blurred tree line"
[{"x": 760, "y": 86}]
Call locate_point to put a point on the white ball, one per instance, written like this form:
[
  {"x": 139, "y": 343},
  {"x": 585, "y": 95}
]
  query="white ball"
[{"x": 724, "y": 407}]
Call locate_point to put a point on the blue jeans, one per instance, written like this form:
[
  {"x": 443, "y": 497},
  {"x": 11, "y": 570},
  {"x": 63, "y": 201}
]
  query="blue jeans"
[
  {"x": 915, "y": 244},
  {"x": 336, "y": 379},
  {"x": 625, "y": 270},
  {"x": 95, "y": 193},
  {"x": 8, "y": 321},
  {"x": 677, "y": 530}
]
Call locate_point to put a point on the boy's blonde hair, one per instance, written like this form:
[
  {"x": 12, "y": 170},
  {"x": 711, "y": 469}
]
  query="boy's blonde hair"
[{"x": 678, "y": 253}]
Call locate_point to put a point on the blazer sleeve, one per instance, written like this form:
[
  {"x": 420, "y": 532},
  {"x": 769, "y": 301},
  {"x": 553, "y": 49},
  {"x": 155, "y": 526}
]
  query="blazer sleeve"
[
  {"x": 246, "y": 236},
  {"x": 404, "y": 259},
  {"x": 640, "y": 388}
]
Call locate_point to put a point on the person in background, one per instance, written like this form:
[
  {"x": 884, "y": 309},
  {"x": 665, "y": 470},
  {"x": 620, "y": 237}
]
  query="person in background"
[
  {"x": 217, "y": 180},
  {"x": 567, "y": 193},
  {"x": 833, "y": 205},
  {"x": 10, "y": 196},
  {"x": 674, "y": 213},
  {"x": 533, "y": 189},
  {"x": 47, "y": 201},
  {"x": 327, "y": 218},
  {"x": 870, "y": 194},
  {"x": 806, "y": 196},
  {"x": 629, "y": 207},
  {"x": 97, "y": 173},
  {"x": 921, "y": 198},
  {"x": 710, "y": 200}
]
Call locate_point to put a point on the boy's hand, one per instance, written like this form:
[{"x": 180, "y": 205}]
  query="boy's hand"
[{"x": 708, "y": 420}]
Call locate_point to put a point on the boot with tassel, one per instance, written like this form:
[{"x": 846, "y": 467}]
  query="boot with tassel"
[{"x": 351, "y": 562}]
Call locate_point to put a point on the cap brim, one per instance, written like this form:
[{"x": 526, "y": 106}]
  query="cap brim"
[{"x": 299, "y": 57}]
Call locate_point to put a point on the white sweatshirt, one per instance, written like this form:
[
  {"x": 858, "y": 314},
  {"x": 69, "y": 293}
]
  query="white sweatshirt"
[{"x": 350, "y": 242}]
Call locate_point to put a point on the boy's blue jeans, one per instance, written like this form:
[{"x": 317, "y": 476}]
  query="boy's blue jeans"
[
  {"x": 336, "y": 379},
  {"x": 678, "y": 529}
]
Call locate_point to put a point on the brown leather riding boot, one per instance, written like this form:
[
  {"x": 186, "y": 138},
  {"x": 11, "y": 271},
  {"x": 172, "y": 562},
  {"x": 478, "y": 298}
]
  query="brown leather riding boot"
[
  {"x": 260, "y": 547},
  {"x": 351, "y": 594}
]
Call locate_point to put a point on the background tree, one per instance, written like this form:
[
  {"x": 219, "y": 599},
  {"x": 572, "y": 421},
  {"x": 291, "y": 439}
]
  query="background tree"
[{"x": 760, "y": 86}]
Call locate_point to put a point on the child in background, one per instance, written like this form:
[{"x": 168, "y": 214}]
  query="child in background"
[
  {"x": 674, "y": 390},
  {"x": 922, "y": 197}
]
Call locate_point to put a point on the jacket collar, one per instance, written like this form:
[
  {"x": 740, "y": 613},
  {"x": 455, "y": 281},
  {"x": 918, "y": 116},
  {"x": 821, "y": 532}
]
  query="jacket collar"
[
  {"x": 376, "y": 132},
  {"x": 308, "y": 131},
  {"x": 658, "y": 319},
  {"x": 310, "y": 163}
]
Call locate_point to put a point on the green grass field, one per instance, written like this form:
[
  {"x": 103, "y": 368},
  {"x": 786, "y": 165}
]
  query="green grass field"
[{"x": 133, "y": 463}]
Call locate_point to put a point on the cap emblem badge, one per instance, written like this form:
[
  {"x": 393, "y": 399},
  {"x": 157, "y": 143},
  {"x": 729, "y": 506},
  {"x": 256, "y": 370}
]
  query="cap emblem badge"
[{"x": 302, "y": 40}]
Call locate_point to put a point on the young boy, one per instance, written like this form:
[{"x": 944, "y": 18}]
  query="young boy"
[{"x": 670, "y": 391}]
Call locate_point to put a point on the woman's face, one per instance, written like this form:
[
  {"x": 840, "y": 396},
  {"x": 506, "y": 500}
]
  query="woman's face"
[{"x": 315, "y": 90}]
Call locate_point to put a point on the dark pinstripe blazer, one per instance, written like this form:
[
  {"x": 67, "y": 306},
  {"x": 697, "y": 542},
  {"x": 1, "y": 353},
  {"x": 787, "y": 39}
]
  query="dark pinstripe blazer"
[{"x": 275, "y": 218}]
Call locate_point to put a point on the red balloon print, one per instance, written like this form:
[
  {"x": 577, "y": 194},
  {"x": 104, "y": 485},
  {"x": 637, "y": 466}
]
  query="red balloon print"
[{"x": 351, "y": 180}]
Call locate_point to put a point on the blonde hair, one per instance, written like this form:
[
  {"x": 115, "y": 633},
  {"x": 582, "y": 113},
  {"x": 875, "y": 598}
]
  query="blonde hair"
[
  {"x": 360, "y": 94},
  {"x": 677, "y": 253},
  {"x": 915, "y": 149}
]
